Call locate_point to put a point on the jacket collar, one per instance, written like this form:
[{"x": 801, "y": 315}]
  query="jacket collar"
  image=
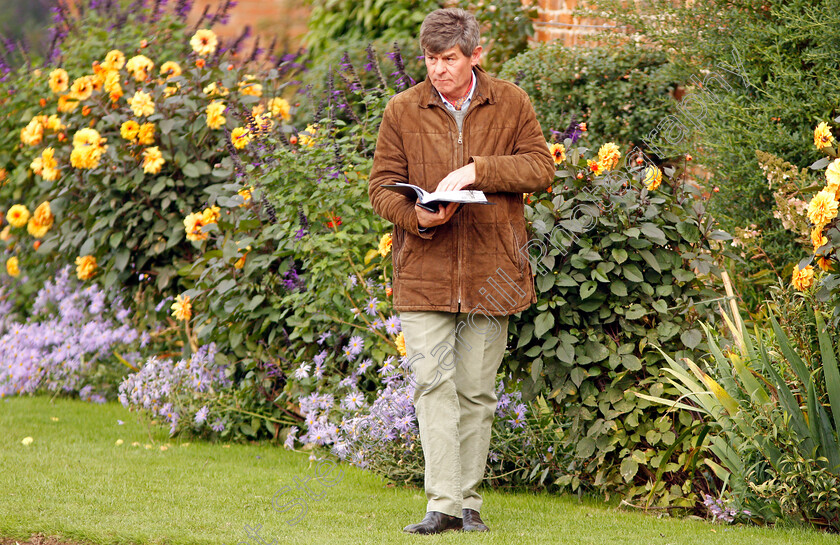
[{"x": 483, "y": 90}]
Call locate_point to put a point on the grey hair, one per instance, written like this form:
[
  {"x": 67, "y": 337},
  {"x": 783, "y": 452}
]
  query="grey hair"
[{"x": 443, "y": 29}]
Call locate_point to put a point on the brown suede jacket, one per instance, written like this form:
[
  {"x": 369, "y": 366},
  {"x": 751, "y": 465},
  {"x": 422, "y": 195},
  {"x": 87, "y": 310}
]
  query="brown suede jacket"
[{"x": 477, "y": 260}]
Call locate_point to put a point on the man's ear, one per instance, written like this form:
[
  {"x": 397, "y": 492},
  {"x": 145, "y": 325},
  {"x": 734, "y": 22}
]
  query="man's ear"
[{"x": 476, "y": 56}]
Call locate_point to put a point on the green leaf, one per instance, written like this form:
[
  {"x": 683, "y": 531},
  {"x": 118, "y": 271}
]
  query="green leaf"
[
  {"x": 632, "y": 273},
  {"x": 691, "y": 338},
  {"x": 191, "y": 171},
  {"x": 619, "y": 288},
  {"x": 585, "y": 447},
  {"x": 830, "y": 370},
  {"x": 628, "y": 469},
  {"x": 225, "y": 285},
  {"x": 650, "y": 260},
  {"x": 166, "y": 125},
  {"x": 587, "y": 289},
  {"x": 688, "y": 231},
  {"x": 121, "y": 259},
  {"x": 654, "y": 233},
  {"x": 543, "y": 323},
  {"x": 619, "y": 255},
  {"x": 635, "y": 312}
]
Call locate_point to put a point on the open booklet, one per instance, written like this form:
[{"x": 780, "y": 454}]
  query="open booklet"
[{"x": 430, "y": 201}]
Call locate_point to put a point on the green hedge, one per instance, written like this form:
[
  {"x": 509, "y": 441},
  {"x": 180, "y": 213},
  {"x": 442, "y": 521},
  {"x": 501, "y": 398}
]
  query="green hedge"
[{"x": 620, "y": 92}]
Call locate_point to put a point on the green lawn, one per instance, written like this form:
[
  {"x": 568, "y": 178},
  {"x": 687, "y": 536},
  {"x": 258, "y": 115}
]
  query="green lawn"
[{"x": 73, "y": 481}]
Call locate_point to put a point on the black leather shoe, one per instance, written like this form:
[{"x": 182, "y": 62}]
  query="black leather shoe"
[
  {"x": 473, "y": 522},
  {"x": 435, "y": 523}
]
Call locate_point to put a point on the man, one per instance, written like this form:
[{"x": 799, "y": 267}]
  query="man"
[{"x": 460, "y": 128}]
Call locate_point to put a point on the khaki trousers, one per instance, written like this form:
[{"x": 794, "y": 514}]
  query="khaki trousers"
[{"x": 454, "y": 358}]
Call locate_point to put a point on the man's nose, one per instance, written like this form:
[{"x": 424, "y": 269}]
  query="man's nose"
[{"x": 440, "y": 67}]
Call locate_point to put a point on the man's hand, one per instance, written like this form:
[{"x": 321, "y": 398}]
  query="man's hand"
[
  {"x": 431, "y": 219},
  {"x": 458, "y": 179}
]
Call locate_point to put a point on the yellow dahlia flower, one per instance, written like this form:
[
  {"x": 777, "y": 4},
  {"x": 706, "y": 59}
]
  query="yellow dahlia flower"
[
  {"x": 33, "y": 133},
  {"x": 114, "y": 60},
  {"x": 824, "y": 264},
  {"x": 142, "y": 104},
  {"x": 204, "y": 42},
  {"x": 112, "y": 81},
  {"x": 822, "y": 208},
  {"x": 307, "y": 137},
  {"x": 247, "y": 87},
  {"x": 240, "y": 137},
  {"x": 214, "y": 111},
  {"x": 246, "y": 196},
  {"x": 832, "y": 175},
  {"x": 214, "y": 89},
  {"x": 86, "y": 157},
  {"x": 152, "y": 160},
  {"x": 129, "y": 129},
  {"x": 37, "y": 165},
  {"x": 146, "y": 134},
  {"x": 140, "y": 66},
  {"x": 67, "y": 103},
  {"x": 596, "y": 167},
  {"x": 85, "y": 267},
  {"x": 558, "y": 151},
  {"x": 279, "y": 107},
  {"x": 652, "y": 177},
  {"x": 211, "y": 215},
  {"x": 193, "y": 224},
  {"x": 44, "y": 213},
  {"x": 18, "y": 215},
  {"x": 400, "y": 341},
  {"x": 36, "y": 229},
  {"x": 802, "y": 279},
  {"x": 608, "y": 156},
  {"x": 54, "y": 123},
  {"x": 822, "y": 136},
  {"x": 82, "y": 88},
  {"x": 182, "y": 308},
  {"x": 49, "y": 165},
  {"x": 170, "y": 69},
  {"x": 12, "y": 266},
  {"x": 817, "y": 237},
  {"x": 385, "y": 244},
  {"x": 87, "y": 137},
  {"x": 59, "y": 80}
]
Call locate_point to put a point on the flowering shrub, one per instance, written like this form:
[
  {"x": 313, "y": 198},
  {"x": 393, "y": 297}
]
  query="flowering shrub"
[
  {"x": 117, "y": 153},
  {"x": 821, "y": 214},
  {"x": 623, "y": 252},
  {"x": 69, "y": 341}
]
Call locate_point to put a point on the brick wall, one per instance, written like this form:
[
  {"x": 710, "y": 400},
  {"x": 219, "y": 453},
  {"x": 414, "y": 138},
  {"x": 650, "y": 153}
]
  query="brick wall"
[
  {"x": 285, "y": 19},
  {"x": 556, "y": 22}
]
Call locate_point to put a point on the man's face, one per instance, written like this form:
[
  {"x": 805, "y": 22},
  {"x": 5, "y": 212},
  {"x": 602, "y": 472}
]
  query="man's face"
[{"x": 451, "y": 70}]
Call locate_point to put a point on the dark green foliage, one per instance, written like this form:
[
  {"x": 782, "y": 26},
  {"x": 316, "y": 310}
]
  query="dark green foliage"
[
  {"x": 789, "y": 58},
  {"x": 506, "y": 28},
  {"x": 617, "y": 278},
  {"x": 620, "y": 92},
  {"x": 346, "y": 21}
]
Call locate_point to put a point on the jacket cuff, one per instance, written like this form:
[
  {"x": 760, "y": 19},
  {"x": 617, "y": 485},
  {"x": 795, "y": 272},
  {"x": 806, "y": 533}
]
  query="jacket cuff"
[
  {"x": 426, "y": 232},
  {"x": 481, "y": 174}
]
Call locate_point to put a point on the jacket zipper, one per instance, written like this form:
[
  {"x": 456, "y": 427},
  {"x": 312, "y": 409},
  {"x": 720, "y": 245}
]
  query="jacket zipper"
[{"x": 460, "y": 160}]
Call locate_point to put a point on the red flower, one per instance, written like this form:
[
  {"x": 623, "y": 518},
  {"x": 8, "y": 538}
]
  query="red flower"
[{"x": 337, "y": 220}]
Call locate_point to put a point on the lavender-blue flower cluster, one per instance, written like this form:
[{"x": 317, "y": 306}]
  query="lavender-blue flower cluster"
[
  {"x": 720, "y": 511},
  {"x": 174, "y": 390},
  {"x": 72, "y": 329}
]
